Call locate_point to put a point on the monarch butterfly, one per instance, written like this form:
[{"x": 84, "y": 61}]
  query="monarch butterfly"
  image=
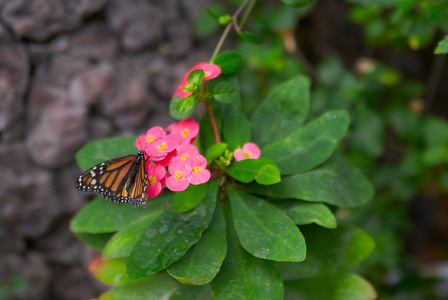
[{"x": 122, "y": 179}]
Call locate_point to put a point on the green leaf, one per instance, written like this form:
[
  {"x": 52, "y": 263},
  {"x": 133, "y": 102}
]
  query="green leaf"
[
  {"x": 111, "y": 272},
  {"x": 309, "y": 146},
  {"x": 303, "y": 213},
  {"x": 406, "y": 124},
  {"x": 330, "y": 252},
  {"x": 252, "y": 38},
  {"x": 229, "y": 62},
  {"x": 96, "y": 152},
  {"x": 264, "y": 230},
  {"x": 225, "y": 89},
  {"x": 101, "y": 216},
  {"x": 243, "y": 276},
  {"x": 283, "y": 111},
  {"x": 194, "y": 80},
  {"x": 367, "y": 135},
  {"x": 187, "y": 106},
  {"x": 335, "y": 182},
  {"x": 442, "y": 46},
  {"x": 435, "y": 131},
  {"x": 341, "y": 287},
  {"x": 297, "y": 3},
  {"x": 236, "y": 129},
  {"x": 96, "y": 241},
  {"x": 202, "y": 262},
  {"x": 153, "y": 288},
  {"x": 121, "y": 244},
  {"x": 187, "y": 109},
  {"x": 214, "y": 152},
  {"x": 192, "y": 292},
  {"x": 168, "y": 238},
  {"x": 263, "y": 170},
  {"x": 187, "y": 200}
]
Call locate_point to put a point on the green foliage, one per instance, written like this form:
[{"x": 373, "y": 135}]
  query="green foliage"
[
  {"x": 266, "y": 227},
  {"x": 442, "y": 47}
]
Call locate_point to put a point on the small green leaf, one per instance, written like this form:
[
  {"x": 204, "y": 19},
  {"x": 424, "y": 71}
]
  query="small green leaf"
[
  {"x": 202, "y": 262},
  {"x": 330, "y": 251},
  {"x": 224, "y": 93},
  {"x": 168, "y": 238},
  {"x": 303, "y": 213},
  {"x": 214, "y": 152},
  {"x": 442, "y": 46},
  {"x": 236, "y": 129},
  {"x": 309, "y": 146},
  {"x": 96, "y": 152},
  {"x": 155, "y": 287},
  {"x": 335, "y": 182},
  {"x": 283, "y": 111},
  {"x": 252, "y": 38},
  {"x": 101, "y": 215},
  {"x": 297, "y": 3},
  {"x": 111, "y": 272},
  {"x": 187, "y": 106},
  {"x": 264, "y": 230},
  {"x": 341, "y": 287},
  {"x": 243, "y": 276},
  {"x": 263, "y": 170},
  {"x": 194, "y": 80},
  {"x": 229, "y": 62},
  {"x": 187, "y": 200}
]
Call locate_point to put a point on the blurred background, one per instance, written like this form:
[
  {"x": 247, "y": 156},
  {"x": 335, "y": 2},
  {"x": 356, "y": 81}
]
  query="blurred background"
[{"x": 76, "y": 71}]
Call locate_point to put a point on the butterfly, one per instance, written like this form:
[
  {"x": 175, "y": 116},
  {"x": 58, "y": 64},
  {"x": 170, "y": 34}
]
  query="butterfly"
[{"x": 122, "y": 179}]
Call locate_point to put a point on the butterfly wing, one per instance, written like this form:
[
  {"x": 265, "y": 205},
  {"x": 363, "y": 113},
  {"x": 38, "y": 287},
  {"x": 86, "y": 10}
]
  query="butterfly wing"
[{"x": 121, "y": 180}]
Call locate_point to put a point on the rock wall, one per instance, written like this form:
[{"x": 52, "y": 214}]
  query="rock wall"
[{"x": 72, "y": 71}]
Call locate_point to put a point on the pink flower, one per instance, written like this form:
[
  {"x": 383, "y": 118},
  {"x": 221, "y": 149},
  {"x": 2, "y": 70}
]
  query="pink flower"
[
  {"x": 167, "y": 159},
  {"x": 199, "y": 173},
  {"x": 153, "y": 134},
  {"x": 250, "y": 150},
  {"x": 186, "y": 151},
  {"x": 210, "y": 71},
  {"x": 156, "y": 179},
  {"x": 178, "y": 172},
  {"x": 185, "y": 130},
  {"x": 159, "y": 149}
]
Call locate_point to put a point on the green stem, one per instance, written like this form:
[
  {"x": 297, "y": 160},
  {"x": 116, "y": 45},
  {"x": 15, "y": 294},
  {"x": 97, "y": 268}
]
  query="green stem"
[
  {"x": 246, "y": 14},
  {"x": 226, "y": 31}
]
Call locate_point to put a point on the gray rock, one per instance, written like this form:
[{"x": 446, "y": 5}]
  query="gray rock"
[
  {"x": 39, "y": 20},
  {"x": 13, "y": 82},
  {"x": 29, "y": 204}
]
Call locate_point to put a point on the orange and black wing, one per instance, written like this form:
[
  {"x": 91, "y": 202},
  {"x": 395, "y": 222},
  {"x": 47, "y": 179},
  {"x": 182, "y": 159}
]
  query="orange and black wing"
[{"x": 121, "y": 180}]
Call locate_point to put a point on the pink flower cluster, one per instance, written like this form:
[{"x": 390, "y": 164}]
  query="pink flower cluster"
[
  {"x": 210, "y": 71},
  {"x": 175, "y": 151}
]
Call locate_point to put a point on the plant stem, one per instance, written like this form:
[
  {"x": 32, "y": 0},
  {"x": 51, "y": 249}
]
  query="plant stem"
[
  {"x": 246, "y": 14},
  {"x": 212, "y": 121},
  {"x": 226, "y": 31}
]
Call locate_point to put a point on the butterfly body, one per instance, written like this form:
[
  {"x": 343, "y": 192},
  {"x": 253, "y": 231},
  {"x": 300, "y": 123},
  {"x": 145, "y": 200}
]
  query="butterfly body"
[{"x": 122, "y": 179}]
